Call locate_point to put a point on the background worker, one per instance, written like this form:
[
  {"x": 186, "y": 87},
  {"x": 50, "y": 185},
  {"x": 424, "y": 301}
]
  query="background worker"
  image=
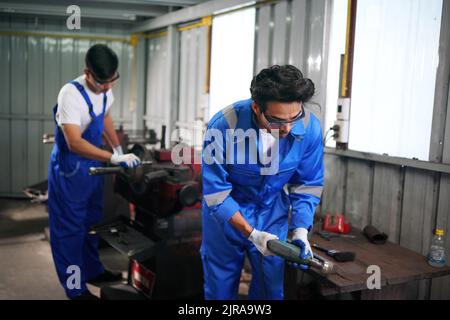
[{"x": 75, "y": 199}]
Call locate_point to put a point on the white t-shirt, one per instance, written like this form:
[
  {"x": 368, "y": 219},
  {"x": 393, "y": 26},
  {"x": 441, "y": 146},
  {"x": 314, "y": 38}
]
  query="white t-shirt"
[{"x": 73, "y": 109}]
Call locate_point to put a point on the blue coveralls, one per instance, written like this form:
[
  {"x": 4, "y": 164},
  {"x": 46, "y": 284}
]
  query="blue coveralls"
[
  {"x": 75, "y": 203},
  {"x": 261, "y": 199}
]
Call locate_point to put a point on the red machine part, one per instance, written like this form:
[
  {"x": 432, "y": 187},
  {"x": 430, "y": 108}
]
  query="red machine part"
[
  {"x": 335, "y": 224},
  {"x": 142, "y": 278}
]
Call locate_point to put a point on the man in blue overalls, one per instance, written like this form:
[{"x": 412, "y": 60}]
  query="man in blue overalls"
[
  {"x": 245, "y": 206},
  {"x": 75, "y": 199}
]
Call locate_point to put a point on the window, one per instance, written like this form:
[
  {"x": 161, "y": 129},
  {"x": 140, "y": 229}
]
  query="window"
[
  {"x": 233, "y": 38},
  {"x": 396, "y": 59},
  {"x": 394, "y": 75}
]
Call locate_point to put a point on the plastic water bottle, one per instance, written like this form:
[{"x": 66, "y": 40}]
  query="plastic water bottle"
[{"x": 436, "y": 256}]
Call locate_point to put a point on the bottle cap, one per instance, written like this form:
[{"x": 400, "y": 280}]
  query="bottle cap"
[{"x": 439, "y": 232}]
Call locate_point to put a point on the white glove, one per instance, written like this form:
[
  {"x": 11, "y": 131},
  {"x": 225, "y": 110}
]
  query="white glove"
[
  {"x": 300, "y": 238},
  {"x": 118, "y": 150},
  {"x": 260, "y": 239},
  {"x": 129, "y": 160}
]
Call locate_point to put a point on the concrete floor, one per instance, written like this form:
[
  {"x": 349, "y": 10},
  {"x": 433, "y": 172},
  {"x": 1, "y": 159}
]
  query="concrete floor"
[{"x": 26, "y": 264}]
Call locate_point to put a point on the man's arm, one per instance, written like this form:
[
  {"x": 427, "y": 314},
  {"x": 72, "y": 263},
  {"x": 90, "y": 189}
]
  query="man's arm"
[
  {"x": 110, "y": 131},
  {"x": 239, "y": 222},
  {"x": 306, "y": 184},
  {"x": 76, "y": 144}
]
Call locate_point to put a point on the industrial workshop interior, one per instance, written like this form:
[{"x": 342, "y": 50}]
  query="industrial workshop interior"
[{"x": 225, "y": 150}]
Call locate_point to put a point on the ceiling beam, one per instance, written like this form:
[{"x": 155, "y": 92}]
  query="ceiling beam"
[
  {"x": 188, "y": 14},
  {"x": 89, "y": 12},
  {"x": 168, "y": 3}
]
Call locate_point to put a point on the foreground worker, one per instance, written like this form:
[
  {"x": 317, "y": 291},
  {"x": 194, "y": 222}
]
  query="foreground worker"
[
  {"x": 75, "y": 199},
  {"x": 242, "y": 207}
]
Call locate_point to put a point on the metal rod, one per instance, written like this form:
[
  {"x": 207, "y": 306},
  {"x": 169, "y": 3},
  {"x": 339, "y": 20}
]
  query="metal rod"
[{"x": 291, "y": 253}]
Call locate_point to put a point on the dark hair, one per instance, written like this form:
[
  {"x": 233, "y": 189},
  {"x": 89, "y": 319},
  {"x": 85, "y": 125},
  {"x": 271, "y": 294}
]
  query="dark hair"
[
  {"x": 102, "y": 61},
  {"x": 281, "y": 84}
]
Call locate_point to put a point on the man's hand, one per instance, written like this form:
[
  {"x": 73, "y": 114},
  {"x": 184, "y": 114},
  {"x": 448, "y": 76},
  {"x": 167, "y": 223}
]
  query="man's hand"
[
  {"x": 129, "y": 160},
  {"x": 260, "y": 239},
  {"x": 300, "y": 239}
]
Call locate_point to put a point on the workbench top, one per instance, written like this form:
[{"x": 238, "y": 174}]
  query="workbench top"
[{"x": 398, "y": 265}]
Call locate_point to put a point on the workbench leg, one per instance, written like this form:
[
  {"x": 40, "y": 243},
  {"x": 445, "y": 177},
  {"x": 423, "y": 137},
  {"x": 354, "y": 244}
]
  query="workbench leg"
[{"x": 290, "y": 283}]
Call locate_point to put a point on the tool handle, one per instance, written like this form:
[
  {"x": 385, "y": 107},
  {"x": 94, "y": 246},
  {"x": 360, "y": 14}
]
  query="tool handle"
[
  {"x": 291, "y": 252},
  {"x": 95, "y": 171},
  {"x": 316, "y": 246}
]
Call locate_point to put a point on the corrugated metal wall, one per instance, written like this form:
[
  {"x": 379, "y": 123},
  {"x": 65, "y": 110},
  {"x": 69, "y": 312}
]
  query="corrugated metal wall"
[
  {"x": 157, "y": 104},
  {"x": 193, "y": 98},
  {"x": 192, "y": 74},
  {"x": 33, "y": 69},
  {"x": 190, "y": 77},
  {"x": 295, "y": 32}
]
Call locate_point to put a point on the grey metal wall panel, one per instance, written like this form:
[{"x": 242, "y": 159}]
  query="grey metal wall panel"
[
  {"x": 440, "y": 288},
  {"x": 67, "y": 67},
  {"x": 418, "y": 214},
  {"x": 263, "y": 47},
  {"x": 184, "y": 56},
  {"x": 446, "y": 154},
  {"x": 5, "y": 75},
  {"x": 200, "y": 103},
  {"x": 441, "y": 116},
  {"x": 317, "y": 51},
  {"x": 118, "y": 87},
  {"x": 5, "y": 160},
  {"x": 18, "y": 154},
  {"x": 418, "y": 217},
  {"x": 298, "y": 34},
  {"x": 358, "y": 193},
  {"x": 34, "y": 141},
  {"x": 48, "y": 126},
  {"x": 158, "y": 108},
  {"x": 305, "y": 32},
  {"x": 333, "y": 194},
  {"x": 52, "y": 74},
  {"x": 172, "y": 84},
  {"x": 33, "y": 70},
  {"x": 18, "y": 75},
  {"x": 192, "y": 72},
  {"x": 192, "y": 95},
  {"x": 35, "y": 76},
  {"x": 386, "y": 200},
  {"x": 280, "y": 29}
]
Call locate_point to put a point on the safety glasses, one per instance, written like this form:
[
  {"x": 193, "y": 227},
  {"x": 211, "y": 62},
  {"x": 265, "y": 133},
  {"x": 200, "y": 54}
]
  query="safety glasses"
[
  {"x": 102, "y": 82},
  {"x": 272, "y": 123}
]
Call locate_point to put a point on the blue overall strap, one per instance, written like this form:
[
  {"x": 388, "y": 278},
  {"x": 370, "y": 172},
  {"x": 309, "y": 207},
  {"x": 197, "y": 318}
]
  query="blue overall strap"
[
  {"x": 55, "y": 110},
  {"x": 85, "y": 96},
  {"x": 104, "y": 102}
]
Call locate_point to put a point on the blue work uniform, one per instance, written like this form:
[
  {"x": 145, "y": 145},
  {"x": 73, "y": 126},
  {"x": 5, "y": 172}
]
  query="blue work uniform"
[
  {"x": 261, "y": 199},
  {"x": 75, "y": 203}
]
